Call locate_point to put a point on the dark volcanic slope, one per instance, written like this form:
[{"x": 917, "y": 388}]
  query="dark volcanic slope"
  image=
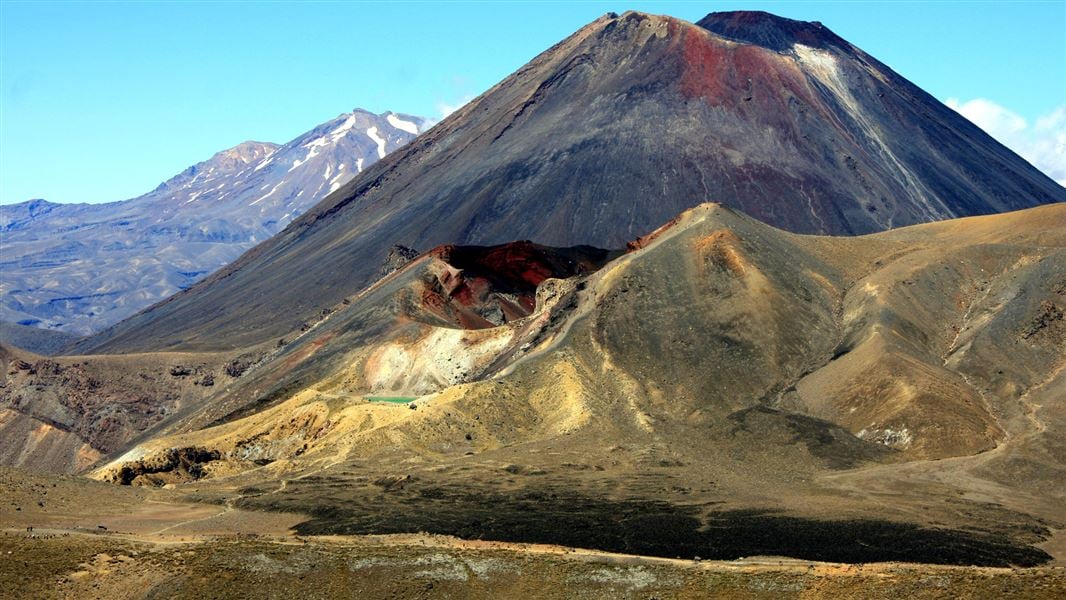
[{"x": 608, "y": 134}]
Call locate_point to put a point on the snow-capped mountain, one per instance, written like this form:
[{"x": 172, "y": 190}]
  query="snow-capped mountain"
[{"x": 79, "y": 267}]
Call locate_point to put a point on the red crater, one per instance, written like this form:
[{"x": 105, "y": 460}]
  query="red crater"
[{"x": 478, "y": 287}]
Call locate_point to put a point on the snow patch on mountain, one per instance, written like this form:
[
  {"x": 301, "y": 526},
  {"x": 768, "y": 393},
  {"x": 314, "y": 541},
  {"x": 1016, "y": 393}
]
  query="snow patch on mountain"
[
  {"x": 380, "y": 141},
  {"x": 402, "y": 125}
]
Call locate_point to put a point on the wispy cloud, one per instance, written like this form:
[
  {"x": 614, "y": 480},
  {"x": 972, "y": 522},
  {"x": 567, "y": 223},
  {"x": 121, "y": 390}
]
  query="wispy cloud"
[
  {"x": 447, "y": 108},
  {"x": 455, "y": 92},
  {"x": 1043, "y": 143}
]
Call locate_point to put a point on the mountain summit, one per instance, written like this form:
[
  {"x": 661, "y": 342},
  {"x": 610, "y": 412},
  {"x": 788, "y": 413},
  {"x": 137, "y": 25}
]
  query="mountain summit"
[
  {"x": 614, "y": 130},
  {"x": 771, "y": 31}
]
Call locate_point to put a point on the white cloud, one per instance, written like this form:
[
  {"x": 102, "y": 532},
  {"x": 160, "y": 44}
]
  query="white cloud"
[
  {"x": 1043, "y": 144},
  {"x": 446, "y": 108}
]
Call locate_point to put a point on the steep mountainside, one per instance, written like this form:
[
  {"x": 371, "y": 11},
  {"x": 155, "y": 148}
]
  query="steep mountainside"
[
  {"x": 78, "y": 268},
  {"x": 614, "y": 130}
]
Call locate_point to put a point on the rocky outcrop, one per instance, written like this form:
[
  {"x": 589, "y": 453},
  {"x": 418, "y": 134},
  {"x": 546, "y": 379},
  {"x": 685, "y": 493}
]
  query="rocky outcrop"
[
  {"x": 398, "y": 256},
  {"x": 172, "y": 465}
]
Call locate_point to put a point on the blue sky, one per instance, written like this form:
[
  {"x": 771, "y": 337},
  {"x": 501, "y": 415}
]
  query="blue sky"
[{"x": 101, "y": 101}]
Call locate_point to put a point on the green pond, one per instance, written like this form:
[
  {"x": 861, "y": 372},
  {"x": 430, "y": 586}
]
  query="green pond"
[{"x": 391, "y": 399}]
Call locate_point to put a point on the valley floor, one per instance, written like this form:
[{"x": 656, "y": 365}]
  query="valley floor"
[
  {"x": 62, "y": 564},
  {"x": 92, "y": 540}
]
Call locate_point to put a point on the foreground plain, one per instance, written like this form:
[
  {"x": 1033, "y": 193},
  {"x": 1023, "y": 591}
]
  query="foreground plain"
[{"x": 158, "y": 546}]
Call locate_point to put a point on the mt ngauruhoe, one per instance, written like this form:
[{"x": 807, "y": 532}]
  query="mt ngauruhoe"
[
  {"x": 80, "y": 267},
  {"x": 608, "y": 134}
]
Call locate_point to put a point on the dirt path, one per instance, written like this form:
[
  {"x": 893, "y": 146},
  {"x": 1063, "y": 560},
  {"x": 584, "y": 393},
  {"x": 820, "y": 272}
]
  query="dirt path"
[{"x": 228, "y": 508}]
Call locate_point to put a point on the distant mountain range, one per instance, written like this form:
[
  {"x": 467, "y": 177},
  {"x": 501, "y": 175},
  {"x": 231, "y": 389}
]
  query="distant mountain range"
[{"x": 77, "y": 268}]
